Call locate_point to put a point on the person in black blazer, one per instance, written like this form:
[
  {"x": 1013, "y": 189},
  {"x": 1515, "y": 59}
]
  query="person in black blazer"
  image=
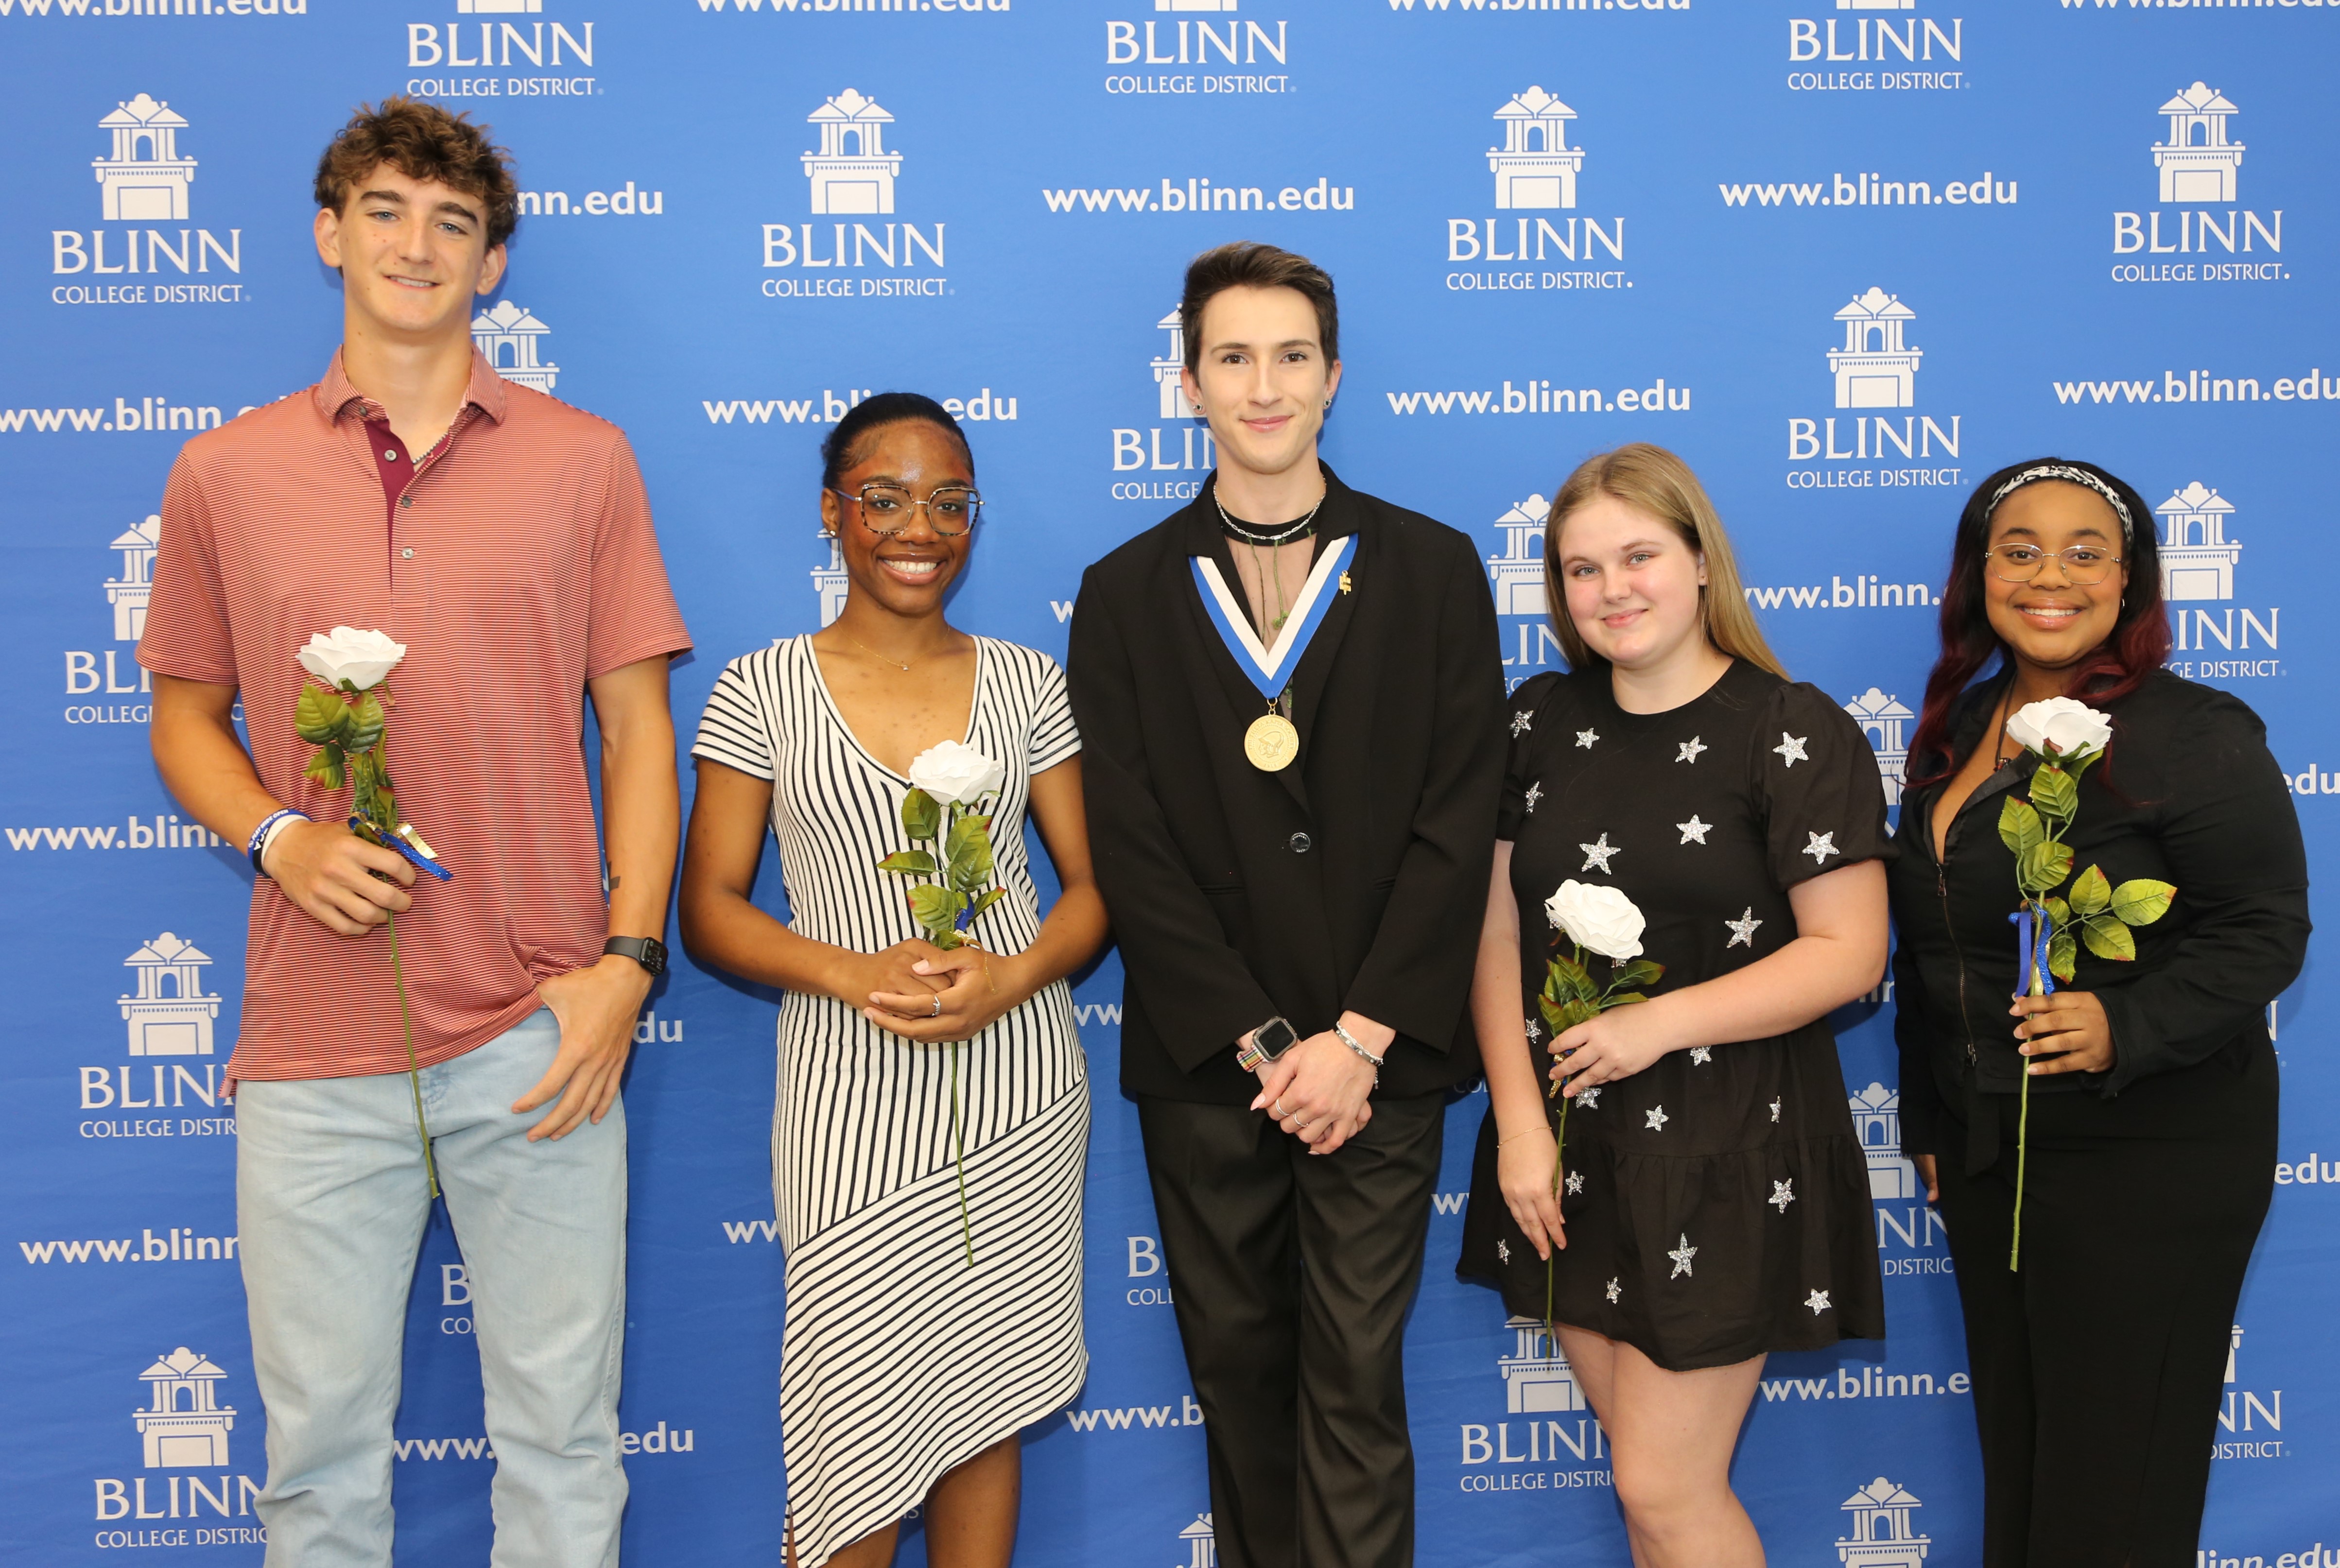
[
  {"x": 2097, "y": 1363},
  {"x": 1294, "y": 856}
]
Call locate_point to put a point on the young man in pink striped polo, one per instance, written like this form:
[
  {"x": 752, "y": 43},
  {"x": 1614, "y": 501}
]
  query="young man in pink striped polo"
[{"x": 504, "y": 539}]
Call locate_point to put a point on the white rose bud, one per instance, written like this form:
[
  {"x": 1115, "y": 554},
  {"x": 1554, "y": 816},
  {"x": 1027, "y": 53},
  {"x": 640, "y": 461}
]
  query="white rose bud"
[
  {"x": 2066, "y": 726},
  {"x": 956, "y": 775},
  {"x": 1599, "y": 919},
  {"x": 359, "y": 658}
]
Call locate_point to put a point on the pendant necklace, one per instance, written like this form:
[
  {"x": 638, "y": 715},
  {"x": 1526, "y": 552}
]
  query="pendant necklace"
[{"x": 875, "y": 654}]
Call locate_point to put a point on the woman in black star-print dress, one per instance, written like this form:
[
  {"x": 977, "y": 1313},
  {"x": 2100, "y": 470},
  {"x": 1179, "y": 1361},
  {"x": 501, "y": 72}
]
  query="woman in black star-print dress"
[{"x": 1715, "y": 1202}]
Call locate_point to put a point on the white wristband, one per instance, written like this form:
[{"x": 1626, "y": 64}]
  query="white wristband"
[{"x": 260, "y": 861}]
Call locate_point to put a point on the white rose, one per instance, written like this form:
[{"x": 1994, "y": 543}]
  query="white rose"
[
  {"x": 1599, "y": 919},
  {"x": 359, "y": 658},
  {"x": 2059, "y": 723},
  {"x": 956, "y": 775}
]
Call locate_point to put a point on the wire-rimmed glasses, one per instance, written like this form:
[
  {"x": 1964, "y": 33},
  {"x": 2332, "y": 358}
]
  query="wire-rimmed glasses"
[
  {"x": 886, "y": 509},
  {"x": 2085, "y": 565}
]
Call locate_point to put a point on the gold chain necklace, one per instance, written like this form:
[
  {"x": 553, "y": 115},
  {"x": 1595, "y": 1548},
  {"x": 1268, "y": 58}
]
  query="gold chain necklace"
[{"x": 875, "y": 654}]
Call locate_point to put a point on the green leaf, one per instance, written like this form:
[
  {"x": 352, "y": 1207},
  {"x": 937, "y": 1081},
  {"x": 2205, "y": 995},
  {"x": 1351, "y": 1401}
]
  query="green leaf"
[
  {"x": 1565, "y": 980},
  {"x": 1637, "y": 972},
  {"x": 2091, "y": 894},
  {"x": 1556, "y": 1015},
  {"x": 319, "y": 716},
  {"x": 327, "y": 766},
  {"x": 986, "y": 901},
  {"x": 1578, "y": 1012},
  {"x": 2141, "y": 900},
  {"x": 2079, "y": 762},
  {"x": 2019, "y": 826},
  {"x": 2063, "y": 955},
  {"x": 908, "y": 863},
  {"x": 2060, "y": 913},
  {"x": 936, "y": 909},
  {"x": 365, "y": 723},
  {"x": 1620, "y": 998},
  {"x": 2055, "y": 794},
  {"x": 2043, "y": 867},
  {"x": 970, "y": 851},
  {"x": 2107, "y": 938},
  {"x": 922, "y": 818}
]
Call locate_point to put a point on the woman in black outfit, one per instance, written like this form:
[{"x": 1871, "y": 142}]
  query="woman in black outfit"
[{"x": 2152, "y": 1136}]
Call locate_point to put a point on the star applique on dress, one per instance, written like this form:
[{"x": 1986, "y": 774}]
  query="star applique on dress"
[
  {"x": 1575, "y": 1183},
  {"x": 1534, "y": 794},
  {"x": 1535, "y": 1031},
  {"x": 1792, "y": 747},
  {"x": 1598, "y": 853},
  {"x": 1587, "y": 1099},
  {"x": 1521, "y": 721},
  {"x": 1585, "y": 737},
  {"x": 1694, "y": 831},
  {"x": 1775, "y": 1109},
  {"x": 1613, "y": 1292},
  {"x": 1823, "y": 846},
  {"x": 1655, "y": 1118},
  {"x": 1700, "y": 1055},
  {"x": 1783, "y": 1193},
  {"x": 1688, "y": 750},
  {"x": 1502, "y": 1251},
  {"x": 1682, "y": 1255},
  {"x": 1819, "y": 1302},
  {"x": 1742, "y": 929}
]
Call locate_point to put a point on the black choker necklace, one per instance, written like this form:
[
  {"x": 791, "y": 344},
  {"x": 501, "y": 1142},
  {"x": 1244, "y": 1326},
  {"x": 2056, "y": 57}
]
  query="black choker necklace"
[{"x": 1250, "y": 535}]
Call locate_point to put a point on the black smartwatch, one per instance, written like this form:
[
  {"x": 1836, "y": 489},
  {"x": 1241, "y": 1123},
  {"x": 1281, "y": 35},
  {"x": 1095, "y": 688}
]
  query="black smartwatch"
[
  {"x": 647, "y": 951},
  {"x": 1267, "y": 1042}
]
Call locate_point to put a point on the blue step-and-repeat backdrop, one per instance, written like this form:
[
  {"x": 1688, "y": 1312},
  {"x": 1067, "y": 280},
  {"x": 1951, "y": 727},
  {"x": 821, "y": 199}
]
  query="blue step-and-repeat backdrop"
[{"x": 1846, "y": 255}]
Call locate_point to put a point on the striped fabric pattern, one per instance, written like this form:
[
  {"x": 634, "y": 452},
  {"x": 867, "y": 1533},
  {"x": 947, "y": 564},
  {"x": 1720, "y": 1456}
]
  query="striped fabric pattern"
[
  {"x": 519, "y": 564},
  {"x": 898, "y": 1360}
]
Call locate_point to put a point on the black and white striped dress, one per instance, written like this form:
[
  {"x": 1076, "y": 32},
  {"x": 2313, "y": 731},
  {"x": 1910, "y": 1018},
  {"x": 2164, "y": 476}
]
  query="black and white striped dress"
[{"x": 899, "y": 1359}]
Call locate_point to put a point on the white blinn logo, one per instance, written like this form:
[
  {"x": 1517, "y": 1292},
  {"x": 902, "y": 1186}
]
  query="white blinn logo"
[
  {"x": 185, "y": 1427},
  {"x": 1881, "y": 716},
  {"x": 1169, "y": 367},
  {"x": 169, "y": 1015},
  {"x": 145, "y": 180},
  {"x": 1518, "y": 572},
  {"x": 508, "y": 335},
  {"x": 1195, "y": 5},
  {"x": 2198, "y": 558},
  {"x": 499, "y": 8},
  {"x": 829, "y": 581},
  {"x": 2197, "y": 164},
  {"x": 1876, "y": 4},
  {"x": 1875, "y": 369},
  {"x": 1201, "y": 1541},
  {"x": 1535, "y": 167},
  {"x": 1882, "y": 1535},
  {"x": 129, "y": 592},
  {"x": 1876, "y": 1122},
  {"x": 861, "y": 180},
  {"x": 1536, "y": 1375}
]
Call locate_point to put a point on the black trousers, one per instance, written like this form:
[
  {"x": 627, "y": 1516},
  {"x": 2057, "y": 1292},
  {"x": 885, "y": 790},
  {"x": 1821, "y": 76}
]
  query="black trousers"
[
  {"x": 2099, "y": 1367},
  {"x": 1291, "y": 1274}
]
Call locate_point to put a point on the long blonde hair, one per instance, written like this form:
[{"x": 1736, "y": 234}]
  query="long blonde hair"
[{"x": 1654, "y": 482}]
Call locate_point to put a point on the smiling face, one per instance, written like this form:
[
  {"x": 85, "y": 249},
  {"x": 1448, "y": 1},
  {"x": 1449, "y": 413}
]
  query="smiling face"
[
  {"x": 2052, "y": 622},
  {"x": 1261, "y": 379},
  {"x": 1633, "y": 584},
  {"x": 906, "y": 573},
  {"x": 412, "y": 255}
]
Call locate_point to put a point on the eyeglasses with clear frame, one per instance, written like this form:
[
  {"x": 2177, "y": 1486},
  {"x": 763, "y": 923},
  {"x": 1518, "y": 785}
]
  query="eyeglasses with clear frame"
[
  {"x": 886, "y": 509},
  {"x": 2085, "y": 565}
]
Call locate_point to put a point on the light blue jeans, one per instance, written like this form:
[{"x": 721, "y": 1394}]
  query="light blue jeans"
[{"x": 332, "y": 1202}]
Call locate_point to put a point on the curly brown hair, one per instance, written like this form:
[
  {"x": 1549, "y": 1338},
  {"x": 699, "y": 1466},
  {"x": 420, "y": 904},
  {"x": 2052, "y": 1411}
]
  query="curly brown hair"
[{"x": 423, "y": 142}]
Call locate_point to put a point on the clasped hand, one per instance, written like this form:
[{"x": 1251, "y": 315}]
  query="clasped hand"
[
  {"x": 921, "y": 992},
  {"x": 1320, "y": 1090},
  {"x": 2071, "y": 1023},
  {"x": 1618, "y": 1043}
]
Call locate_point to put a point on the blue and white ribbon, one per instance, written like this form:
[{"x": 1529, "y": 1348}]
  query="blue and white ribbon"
[{"x": 1270, "y": 667}]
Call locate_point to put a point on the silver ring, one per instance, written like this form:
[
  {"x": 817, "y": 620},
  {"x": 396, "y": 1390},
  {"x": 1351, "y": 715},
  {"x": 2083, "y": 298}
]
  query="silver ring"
[
  {"x": 939, "y": 1005},
  {"x": 1280, "y": 1112}
]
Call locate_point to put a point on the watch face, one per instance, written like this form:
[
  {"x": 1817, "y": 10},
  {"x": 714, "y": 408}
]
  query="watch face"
[{"x": 1274, "y": 1037}]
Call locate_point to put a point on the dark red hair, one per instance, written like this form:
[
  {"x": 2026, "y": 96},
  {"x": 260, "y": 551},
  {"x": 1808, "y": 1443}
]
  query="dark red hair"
[{"x": 2137, "y": 646}]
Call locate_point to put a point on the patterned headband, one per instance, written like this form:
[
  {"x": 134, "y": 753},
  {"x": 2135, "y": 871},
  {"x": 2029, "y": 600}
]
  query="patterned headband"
[{"x": 2064, "y": 471}]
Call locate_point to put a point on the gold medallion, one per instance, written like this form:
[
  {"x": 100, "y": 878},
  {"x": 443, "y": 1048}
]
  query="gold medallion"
[{"x": 1270, "y": 743}]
